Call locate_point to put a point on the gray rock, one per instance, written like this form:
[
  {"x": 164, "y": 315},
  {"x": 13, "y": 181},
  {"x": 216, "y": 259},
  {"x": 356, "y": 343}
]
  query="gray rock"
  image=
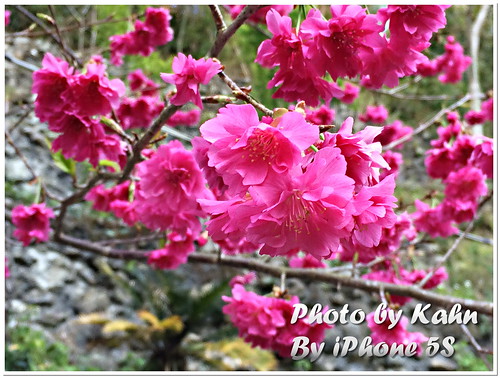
[
  {"x": 442, "y": 364},
  {"x": 15, "y": 170},
  {"x": 94, "y": 299}
]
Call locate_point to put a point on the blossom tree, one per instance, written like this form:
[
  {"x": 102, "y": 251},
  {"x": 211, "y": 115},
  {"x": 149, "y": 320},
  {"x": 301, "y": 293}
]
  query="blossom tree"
[{"x": 310, "y": 185}]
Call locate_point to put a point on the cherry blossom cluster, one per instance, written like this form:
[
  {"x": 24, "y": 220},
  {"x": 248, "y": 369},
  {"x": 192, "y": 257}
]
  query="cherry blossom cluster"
[
  {"x": 265, "y": 321},
  {"x": 188, "y": 74},
  {"x": 146, "y": 36},
  {"x": 32, "y": 223},
  {"x": 463, "y": 162},
  {"x": 68, "y": 101},
  {"x": 351, "y": 43},
  {"x": 276, "y": 192},
  {"x": 474, "y": 117},
  {"x": 169, "y": 184},
  {"x": 401, "y": 276},
  {"x": 259, "y": 17},
  {"x": 452, "y": 64},
  {"x": 140, "y": 110}
]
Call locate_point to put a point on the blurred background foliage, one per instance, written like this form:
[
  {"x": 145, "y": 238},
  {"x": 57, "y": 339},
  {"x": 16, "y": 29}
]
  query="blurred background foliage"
[{"x": 159, "y": 293}]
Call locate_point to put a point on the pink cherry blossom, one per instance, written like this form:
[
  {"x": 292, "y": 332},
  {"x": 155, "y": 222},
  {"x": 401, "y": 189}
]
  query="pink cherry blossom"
[
  {"x": 309, "y": 211},
  {"x": 266, "y": 321},
  {"x": 296, "y": 74},
  {"x": 395, "y": 161},
  {"x": 188, "y": 118},
  {"x": 374, "y": 114},
  {"x": 7, "y": 272},
  {"x": 381, "y": 333},
  {"x": 7, "y": 22},
  {"x": 243, "y": 279},
  {"x": 124, "y": 210},
  {"x": 32, "y": 223},
  {"x": 188, "y": 74},
  {"x": 93, "y": 93},
  {"x": 482, "y": 157},
  {"x": 453, "y": 63},
  {"x": 85, "y": 138},
  {"x": 433, "y": 220},
  {"x": 487, "y": 109},
  {"x": 466, "y": 184},
  {"x": 102, "y": 197},
  {"x": 474, "y": 117},
  {"x": 145, "y": 37},
  {"x": 362, "y": 154},
  {"x": 214, "y": 179},
  {"x": 373, "y": 211},
  {"x": 138, "y": 112},
  {"x": 174, "y": 253},
  {"x": 392, "y": 132},
  {"x": 49, "y": 83},
  {"x": 260, "y": 15},
  {"x": 414, "y": 23},
  {"x": 341, "y": 44},
  {"x": 350, "y": 93},
  {"x": 390, "y": 241},
  {"x": 307, "y": 261},
  {"x": 170, "y": 183},
  {"x": 259, "y": 150},
  {"x": 321, "y": 116},
  {"x": 140, "y": 82}
]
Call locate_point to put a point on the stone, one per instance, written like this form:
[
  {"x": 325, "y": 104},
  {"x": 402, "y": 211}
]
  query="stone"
[
  {"x": 15, "y": 170},
  {"x": 442, "y": 364},
  {"x": 94, "y": 299}
]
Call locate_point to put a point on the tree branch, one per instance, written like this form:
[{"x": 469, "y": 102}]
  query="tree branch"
[
  {"x": 165, "y": 114},
  {"x": 425, "y": 125},
  {"x": 223, "y": 37},
  {"x": 37, "y": 21},
  {"x": 305, "y": 274}
]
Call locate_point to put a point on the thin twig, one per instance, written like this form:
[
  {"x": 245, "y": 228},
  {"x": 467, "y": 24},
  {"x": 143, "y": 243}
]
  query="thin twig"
[
  {"x": 223, "y": 37},
  {"x": 480, "y": 351},
  {"x": 240, "y": 94},
  {"x": 30, "y": 168},
  {"x": 165, "y": 114},
  {"x": 22, "y": 118},
  {"x": 425, "y": 125},
  {"x": 21, "y": 63},
  {"x": 39, "y": 22}
]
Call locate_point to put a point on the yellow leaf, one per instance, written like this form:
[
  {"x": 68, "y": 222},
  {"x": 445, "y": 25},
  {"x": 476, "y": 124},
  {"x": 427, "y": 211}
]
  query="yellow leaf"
[
  {"x": 173, "y": 323},
  {"x": 236, "y": 354},
  {"x": 149, "y": 317},
  {"x": 92, "y": 318},
  {"x": 119, "y": 325}
]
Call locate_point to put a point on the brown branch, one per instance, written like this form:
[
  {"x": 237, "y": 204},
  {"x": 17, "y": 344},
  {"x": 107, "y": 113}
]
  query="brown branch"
[
  {"x": 240, "y": 94},
  {"x": 30, "y": 168},
  {"x": 39, "y": 22},
  {"x": 165, "y": 114},
  {"x": 45, "y": 32},
  {"x": 218, "y": 19},
  {"x": 305, "y": 274},
  {"x": 425, "y": 125},
  {"x": 223, "y": 37},
  {"x": 479, "y": 350}
]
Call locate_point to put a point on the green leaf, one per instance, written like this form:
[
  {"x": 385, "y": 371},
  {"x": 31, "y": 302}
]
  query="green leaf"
[
  {"x": 109, "y": 163},
  {"x": 65, "y": 165}
]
